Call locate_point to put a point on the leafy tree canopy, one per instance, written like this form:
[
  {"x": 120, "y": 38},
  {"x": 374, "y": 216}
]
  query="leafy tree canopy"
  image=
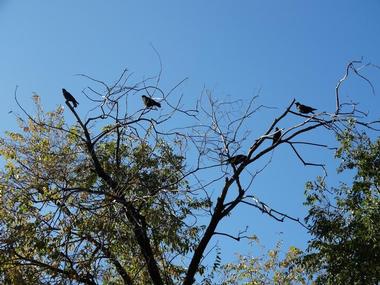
[
  {"x": 272, "y": 267},
  {"x": 60, "y": 220},
  {"x": 345, "y": 221}
]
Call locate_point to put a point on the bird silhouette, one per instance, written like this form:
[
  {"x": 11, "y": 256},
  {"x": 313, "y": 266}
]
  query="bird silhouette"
[
  {"x": 304, "y": 109},
  {"x": 276, "y": 136},
  {"x": 69, "y": 97},
  {"x": 149, "y": 102},
  {"x": 237, "y": 159}
]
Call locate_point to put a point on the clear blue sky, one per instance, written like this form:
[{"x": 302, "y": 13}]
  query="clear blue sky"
[{"x": 289, "y": 49}]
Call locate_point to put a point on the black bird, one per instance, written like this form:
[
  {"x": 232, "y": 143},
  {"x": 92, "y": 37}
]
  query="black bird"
[
  {"x": 69, "y": 97},
  {"x": 304, "y": 109},
  {"x": 237, "y": 159},
  {"x": 149, "y": 102},
  {"x": 276, "y": 136}
]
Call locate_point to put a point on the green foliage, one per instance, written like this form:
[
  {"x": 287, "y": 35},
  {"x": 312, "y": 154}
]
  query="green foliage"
[
  {"x": 60, "y": 221},
  {"x": 345, "y": 221},
  {"x": 268, "y": 268}
]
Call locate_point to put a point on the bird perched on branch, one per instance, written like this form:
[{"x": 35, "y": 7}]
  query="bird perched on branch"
[
  {"x": 237, "y": 159},
  {"x": 304, "y": 109},
  {"x": 276, "y": 136},
  {"x": 149, "y": 102},
  {"x": 69, "y": 97}
]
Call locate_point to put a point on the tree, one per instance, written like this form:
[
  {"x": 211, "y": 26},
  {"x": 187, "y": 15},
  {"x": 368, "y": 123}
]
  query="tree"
[
  {"x": 120, "y": 196},
  {"x": 267, "y": 269},
  {"x": 345, "y": 226},
  {"x": 60, "y": 219}
]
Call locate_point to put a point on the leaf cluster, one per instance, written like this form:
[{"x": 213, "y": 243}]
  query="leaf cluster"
[
  {"x": 345, "y": 248},
  {"x": 60, "y": 221}
]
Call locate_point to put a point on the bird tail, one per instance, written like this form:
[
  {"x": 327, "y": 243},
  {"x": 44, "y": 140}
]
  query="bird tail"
[{"x": 158, "y": 104}]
